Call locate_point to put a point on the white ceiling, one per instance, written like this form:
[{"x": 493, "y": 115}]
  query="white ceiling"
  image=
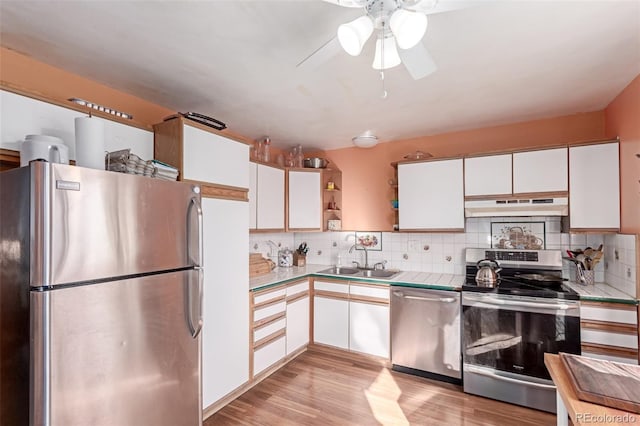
[{"x": 498, "y": 62}]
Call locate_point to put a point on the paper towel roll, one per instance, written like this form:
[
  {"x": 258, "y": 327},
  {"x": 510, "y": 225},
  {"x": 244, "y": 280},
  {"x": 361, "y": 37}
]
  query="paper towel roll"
[{"x": 90, "y": 142}]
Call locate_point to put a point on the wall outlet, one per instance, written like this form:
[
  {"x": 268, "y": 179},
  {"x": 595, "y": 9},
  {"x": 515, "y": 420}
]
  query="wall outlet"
[
  {"x": 413, "y": 245},
  {"x": 628, "y": 272}
]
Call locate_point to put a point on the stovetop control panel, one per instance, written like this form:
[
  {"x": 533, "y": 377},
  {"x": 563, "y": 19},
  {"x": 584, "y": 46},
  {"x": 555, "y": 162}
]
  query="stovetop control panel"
[{"x": 515, "y": 256}]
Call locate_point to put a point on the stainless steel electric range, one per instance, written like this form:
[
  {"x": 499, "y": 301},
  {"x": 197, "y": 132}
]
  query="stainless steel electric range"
[{"x": 508, "y": 327}]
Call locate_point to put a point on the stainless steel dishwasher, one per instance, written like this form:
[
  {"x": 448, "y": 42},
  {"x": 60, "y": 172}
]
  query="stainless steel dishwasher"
[{"x": 425, "y": 332}]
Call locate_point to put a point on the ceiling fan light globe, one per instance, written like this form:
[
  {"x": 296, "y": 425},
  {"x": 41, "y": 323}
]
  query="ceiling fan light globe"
[
  {"x": 353, "y": 35},
  {"x": 390, "y": 56},
  {"x": 408, "y": 27}
]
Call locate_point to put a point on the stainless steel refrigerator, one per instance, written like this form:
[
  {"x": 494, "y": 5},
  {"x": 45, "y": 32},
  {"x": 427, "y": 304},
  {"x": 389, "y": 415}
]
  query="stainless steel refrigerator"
[{"x": 100, "y": 298}]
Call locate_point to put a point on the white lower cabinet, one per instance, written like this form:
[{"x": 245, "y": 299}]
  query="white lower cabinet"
[
  {"x": 369, "y": 328},
  {"x": 269, "y": 354},
  {"x": 225, "y": 331},
  {"x": 609, "y": 331},
  {"x": 331, "y": 322},
  {"x": 297, "y": 324}
]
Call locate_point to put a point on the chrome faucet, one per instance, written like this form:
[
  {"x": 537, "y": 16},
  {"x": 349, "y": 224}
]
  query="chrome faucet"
[{"x": 366, "y": 257}]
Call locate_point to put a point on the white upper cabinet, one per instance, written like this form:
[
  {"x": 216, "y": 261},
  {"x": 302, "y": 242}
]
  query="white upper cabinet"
[
  {"x": 305, "y": 200},
  {"x": 209, "y": 157},
  {"x": 594, "y": 182},
  {"x": 270, "y": 211},
  {"x": 253, "y": 195},
  {"x": 431, "y": 195},
  {"x": 540, "y": 171},
  {"x": 489, "y": 175},
  {"x": 266, "y": 197}
]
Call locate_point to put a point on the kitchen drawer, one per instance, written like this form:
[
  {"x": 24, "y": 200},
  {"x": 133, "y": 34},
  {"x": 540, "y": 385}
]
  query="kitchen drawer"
[
  {"x": 263, "y": 332},
  {"x": 270, "y": 294},
  {"x": 270, "y": 310},
  {"x": 625, "y": 314},
  {"x": 269, "y": 354},
  {"x": 332, "y": 286},
  {"x": 377, "y": 291},
  {"x": 297, "y": 288},
  {"x": 608, "y": 338}
]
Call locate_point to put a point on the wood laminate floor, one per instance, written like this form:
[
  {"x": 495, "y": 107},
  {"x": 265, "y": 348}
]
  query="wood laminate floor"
[{"x": 330, "y": 387}]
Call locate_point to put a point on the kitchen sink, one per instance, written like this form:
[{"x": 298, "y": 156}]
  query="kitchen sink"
[
  {"x": 366, "y": 273},
  {"x": 337, "y": 270},
  {"x": 379, "y": 273}
]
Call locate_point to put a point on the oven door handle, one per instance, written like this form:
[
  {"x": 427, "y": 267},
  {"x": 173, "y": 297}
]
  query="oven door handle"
[
  {"x": 523, "y": 304},
  {"x": 493, "y": 375}
]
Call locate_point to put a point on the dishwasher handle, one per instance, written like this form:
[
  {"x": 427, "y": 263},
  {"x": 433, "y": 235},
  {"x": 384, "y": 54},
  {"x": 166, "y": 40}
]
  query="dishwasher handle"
[{"x": 426, "y": 299}]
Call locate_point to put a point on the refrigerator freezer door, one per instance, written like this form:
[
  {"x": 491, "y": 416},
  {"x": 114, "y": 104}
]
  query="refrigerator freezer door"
[
  {"x": 117, "y": 353},
  {"x": 91, "y": 224}
]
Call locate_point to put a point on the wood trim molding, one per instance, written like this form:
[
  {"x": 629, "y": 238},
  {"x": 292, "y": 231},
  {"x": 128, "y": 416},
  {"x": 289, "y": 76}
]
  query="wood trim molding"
[
  {"x": 369, "y": 300},
  {"x": 294, "y": 298},
  {"x": 425, "y": 160},
  {"x": 608, "y": 305},
  {"x": 265, "y": 230},
  {"x": 64, "y": 103},
  {"x": 594, "y": 230},
  {"x": 331, "y": 295},
  {"x": 362, "y": 284},
  {"x": 356, "y": 356},
  {"x": 613, "y": 327},
  {"x": 270, "y": 302},
  {"x": 597, "y": 348},
  {"x": 268, "y": 290},
  {"x": 268, "y": 320},
  {"x": 225, "y": 192},
  {"x": 269, "y": 339}
]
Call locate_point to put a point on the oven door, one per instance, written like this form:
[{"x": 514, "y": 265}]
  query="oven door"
[{"x": 512, "y": 333}]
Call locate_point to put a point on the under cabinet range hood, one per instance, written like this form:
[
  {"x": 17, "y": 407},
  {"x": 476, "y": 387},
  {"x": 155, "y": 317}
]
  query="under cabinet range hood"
[{"x": 517, "y": 207}]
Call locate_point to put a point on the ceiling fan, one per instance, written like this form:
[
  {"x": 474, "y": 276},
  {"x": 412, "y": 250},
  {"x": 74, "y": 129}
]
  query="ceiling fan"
[{"x": 400, "y": 26}]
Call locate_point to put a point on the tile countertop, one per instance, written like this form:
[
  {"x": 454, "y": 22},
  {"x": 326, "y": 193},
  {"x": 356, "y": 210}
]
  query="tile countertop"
[
  {"x": 601, "y": 292},
  {"x": 405, "y": 278}
]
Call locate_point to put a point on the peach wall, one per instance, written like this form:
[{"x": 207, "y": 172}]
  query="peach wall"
[
  {"x": 622, "y": 117},
  {"x": 366, "y": 172},
  {"x": 21, "y": 72}
]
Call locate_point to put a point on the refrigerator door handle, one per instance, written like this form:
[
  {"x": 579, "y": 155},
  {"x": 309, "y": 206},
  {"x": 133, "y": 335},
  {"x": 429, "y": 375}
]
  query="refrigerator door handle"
[{"x": 195, "y": 326}]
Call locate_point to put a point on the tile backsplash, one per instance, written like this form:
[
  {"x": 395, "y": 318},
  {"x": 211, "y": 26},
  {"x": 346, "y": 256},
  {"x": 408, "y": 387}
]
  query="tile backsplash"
[
  {"x": 444, "y": 252},
  {"x": 620, "y": 262}
]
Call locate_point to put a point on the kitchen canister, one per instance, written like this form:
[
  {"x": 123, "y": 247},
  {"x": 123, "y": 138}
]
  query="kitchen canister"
[
  {"x": 90, "y": 142},
  {"x": 285, "y": 258},
  {"x": 43, "y": 147}
]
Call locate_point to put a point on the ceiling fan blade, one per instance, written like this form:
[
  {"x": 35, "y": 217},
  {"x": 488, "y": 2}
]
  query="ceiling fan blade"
[
  {"x": 430, "y": 7},
  {"x": 321, "y": 55},
  {"x": 418, "y": 61},
  {"x": 347, "y": 3}
]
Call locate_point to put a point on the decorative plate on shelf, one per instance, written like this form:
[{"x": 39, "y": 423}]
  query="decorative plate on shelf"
[{"x": 418, "y": 155}]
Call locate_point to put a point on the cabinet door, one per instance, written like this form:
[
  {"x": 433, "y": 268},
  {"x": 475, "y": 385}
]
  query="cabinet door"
[
  {"x": 305, "y": 200},
  {"x": 490, "y": 175},
  {"x": 225, "y": 332},
  {"x": 331, "y": 322},
  {"x": 253, "y": 195},
  {"x": 369, "y": 328},
  {"x": 297, "y": 324},
  {"x": 268, "y": 355},
  {"x": 431, "y": 195},
  {"x": 594, "y": 187},
  {"x": 541, "y": 171},
  {"x": 270, "y": 198},
  {"x": 209, "y": 157}
]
